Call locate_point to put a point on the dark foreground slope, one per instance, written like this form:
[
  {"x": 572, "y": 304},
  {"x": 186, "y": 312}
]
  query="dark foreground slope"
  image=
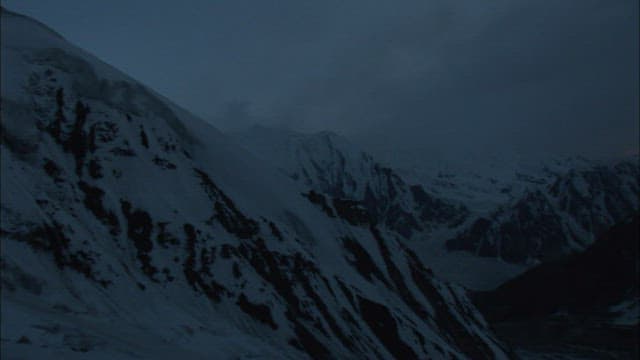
[{"x": 584, "y": 301}]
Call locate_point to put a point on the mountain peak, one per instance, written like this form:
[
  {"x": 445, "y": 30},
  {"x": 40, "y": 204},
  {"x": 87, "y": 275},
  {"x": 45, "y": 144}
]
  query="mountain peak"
[{"x": 117, "y": 205}]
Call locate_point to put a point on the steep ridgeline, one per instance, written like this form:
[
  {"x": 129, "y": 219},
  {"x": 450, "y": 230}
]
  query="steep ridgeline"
[
  {"x": 560, "y": 211},
  {"x": 131, "y": 229},
  {"x": 324, "y": 163}
]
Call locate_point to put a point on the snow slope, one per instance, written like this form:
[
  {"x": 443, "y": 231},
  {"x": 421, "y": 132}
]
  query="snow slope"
[
  {"x": 329, "y": 164},
  {"x": 524, "y": 214},
  {"x": 476, "y": 227},
  {"x": 131, "y": 229}
]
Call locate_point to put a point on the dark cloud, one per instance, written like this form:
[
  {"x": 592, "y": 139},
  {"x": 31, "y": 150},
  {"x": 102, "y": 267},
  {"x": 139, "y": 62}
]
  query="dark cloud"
[
  {"x": 447, "y": 77},
  {"x": 552, "y": 77}
]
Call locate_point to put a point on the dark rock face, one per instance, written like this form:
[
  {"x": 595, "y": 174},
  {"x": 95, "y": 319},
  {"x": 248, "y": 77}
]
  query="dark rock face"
[
  {"x": 397, "y": 279},
  {"x": 569, "y": 301},
  {"x": 384, "y": 326},
  {"x": 139, "y": 227},
  {"x": 95, "y": 169},
  {"x": 225, "y": 210},
  {"x": 352, "y": 211},
  {"x": 308, "y": 343},
  {"x": 260, "y": 312},
  {"x": 321, "y": 201},
  {"x": 93, "y": 201},
  {"x": 164, "y": 163},
  {"x": 603, "y": 275},
  {"x": 52, "y": 239},
  {"x": 275, "y": 231},
  {"x": 78, "y": 143},
  {"x": 555, "y": 220},
  {"x": 197, "y": 269},
  {"x": 144, "y": 140},
  {"x": 53, "y": 170},
  {"x": 73, "y": 137},
  {"x": 361, "y": 260},
  {"x": 470, "y": 344}
]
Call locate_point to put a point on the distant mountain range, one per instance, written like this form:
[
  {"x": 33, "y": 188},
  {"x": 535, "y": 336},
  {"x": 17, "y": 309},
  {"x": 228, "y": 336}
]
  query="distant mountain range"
[
  {"x": 560, "y": 212},
  {"x": 526, "y": 216}
]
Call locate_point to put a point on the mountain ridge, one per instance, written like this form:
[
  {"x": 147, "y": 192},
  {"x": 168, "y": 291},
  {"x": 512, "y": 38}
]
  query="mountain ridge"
[
  {"x": 132, "y": 229},
  {"x": 505, "y": 224}
]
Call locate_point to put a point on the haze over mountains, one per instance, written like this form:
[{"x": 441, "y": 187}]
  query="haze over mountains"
[
  {"x": 131, "y": 228},
  {"x": 404, "y": 80}
]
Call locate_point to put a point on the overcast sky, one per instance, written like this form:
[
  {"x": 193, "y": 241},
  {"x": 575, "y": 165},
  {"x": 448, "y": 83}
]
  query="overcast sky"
[{"x": 429, "y": 77}]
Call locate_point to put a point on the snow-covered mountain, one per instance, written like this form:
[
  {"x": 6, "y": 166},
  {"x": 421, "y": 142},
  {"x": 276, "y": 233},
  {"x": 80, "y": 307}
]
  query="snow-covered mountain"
[
  {"x": 131, "y": 229},
  {"x": 522, "y": 213},
  {"x": 329, "y": 164},
  {"x": 561, "y": 210},
  {"x": 477, "y": 228}
]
